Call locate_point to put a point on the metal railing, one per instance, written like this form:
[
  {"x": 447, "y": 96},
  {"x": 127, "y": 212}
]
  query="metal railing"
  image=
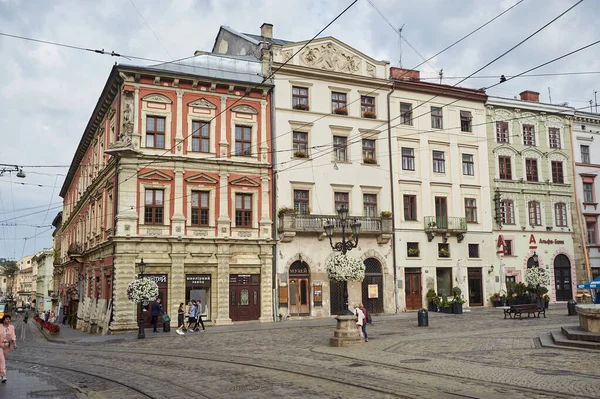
[
  {"x": 442, "y": 223},
  {"x": 315, "y": 223}
]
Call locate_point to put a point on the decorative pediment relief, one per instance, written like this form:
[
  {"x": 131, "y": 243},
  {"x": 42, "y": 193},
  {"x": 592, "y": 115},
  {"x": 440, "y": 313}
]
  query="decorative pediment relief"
[
  {"x": 555, "y": 121},
  {"x": 245, "y": 181},
  {"x": 557, "y": 156},
  {"x": 202, "y": 103},
  {"x": 501, "y": 115},
  {"x": 505, "y": 151},
  {"x": 527, "y": 118},
  {"x": 244, "y": 109},
  {"x": 157, "y": 98},
  {"x": 155, "y": 175},
  {"x": 201, "y": 178},
  {"x": 532, "y": 153},
  {"x": 331, "y": 57}
]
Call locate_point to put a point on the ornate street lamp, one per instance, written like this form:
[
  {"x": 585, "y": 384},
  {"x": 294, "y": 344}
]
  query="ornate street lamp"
[
  {"x": 141, "y": 332},
  {"x": 344, "y": 245}
]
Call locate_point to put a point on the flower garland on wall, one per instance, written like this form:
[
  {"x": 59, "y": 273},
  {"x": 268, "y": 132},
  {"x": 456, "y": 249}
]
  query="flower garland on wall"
[
  {"x": 140, "y": 290},
  {"x": 537, "y": 276},
  {"x": 345, "y": 268}
]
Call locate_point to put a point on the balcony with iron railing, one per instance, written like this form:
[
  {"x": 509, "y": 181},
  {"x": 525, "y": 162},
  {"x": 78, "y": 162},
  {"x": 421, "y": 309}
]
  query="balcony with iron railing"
[
  {"x": 445, "y": 226},
  {"x": 292, "y": 223}
]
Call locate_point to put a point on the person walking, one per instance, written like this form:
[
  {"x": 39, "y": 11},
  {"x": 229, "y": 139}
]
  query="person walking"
[
  {"x": 191, "y": 316},
  {"x": 365, "y": 320},
  {"x": 156, "y": 311},
  {"x": 360, "y": 319},
  {"x": 199, "y": 312},
  {"x": 180, "y": 319},
  {"x": 7, "y": 334}
]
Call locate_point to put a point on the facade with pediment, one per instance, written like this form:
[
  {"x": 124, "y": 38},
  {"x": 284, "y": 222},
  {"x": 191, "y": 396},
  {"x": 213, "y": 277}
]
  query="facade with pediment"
[
  {"x": 175, "y": 168},
  {"x": 331, "y": 150},
  {"x": 531, "y": 175}
]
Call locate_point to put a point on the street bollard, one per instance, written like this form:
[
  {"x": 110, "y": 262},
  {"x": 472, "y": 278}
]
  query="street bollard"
[
  {"x": 571, "y": 307},
  {"x": 423, "y": 318}
]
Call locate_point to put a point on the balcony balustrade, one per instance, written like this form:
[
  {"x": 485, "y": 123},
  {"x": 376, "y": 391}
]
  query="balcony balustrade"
[{"x": 446, "y": 226}]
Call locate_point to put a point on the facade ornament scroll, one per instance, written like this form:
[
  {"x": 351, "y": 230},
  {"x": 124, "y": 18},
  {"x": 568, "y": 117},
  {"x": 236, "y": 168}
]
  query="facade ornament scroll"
[
  {"x": 157, "y": 98},
  {"x": 124, "y": 139},
  {"x": 331, "y": 58},
  {"x": 202, "y": 103},
  {"x": 371, "y": 69},
  {"x": 287, "y": 54},
  {"x": 244, "y": 109}
]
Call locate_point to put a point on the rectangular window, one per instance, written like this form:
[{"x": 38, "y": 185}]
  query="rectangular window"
[
  {"x": 412, "y": 250},
  {"x": 300, "y": 98},
  {"x": 367, "y": 106},
  {"x": 370, "y": 205},
  {"x": 468, "y": 165},
  {"x": 507, "y": 208},
  {"x": 243, "y": 210},
  {"x": 443, "y": 250},
  {"x": 502, "y": 132},
  {"x": 504, "y": 168},
  {"x": 243, "y": 140},
  {"x": 560, "y": 214},
  {"x": 154, "y": 206},
  {"x": 444, "y": 280},
  {"x": 588, "y": 192},
  {"x": 471, "y": 210},
  {"x": 585, "y": 153},
  {"x": 473, "y": 250},
  {"x": 528, "y": 135},
  {"x": 200, "y": 136},
  {"x": 436, "y": 118},
  {"x": 439, "y": 163},
  {"x": 465, "y": 121},
  {"x": 338, "y": 101},
  {"x": 557, "y": 172},
  {"x": 408, "y": 158},
  {"x": 301, "y": 202},
  {"x": 200, "y": 208},
  {"x": 340, "y": 149},
  {"x": 341, "y": 200},
  {"x": 155, "y": 132},
  {"x": 508, "y": 247},
  {"x": 535, "y": 213},
  {"x": 410, "y": 207},
  {"x": 300, "y": 144},
  {"x": 368, "y": 149},
  {"x": 554, "y": 136},
  {"x": 531, "y": 170},
  {"x": 591, "y": 233},
  {"x": 405, "y": 114}
]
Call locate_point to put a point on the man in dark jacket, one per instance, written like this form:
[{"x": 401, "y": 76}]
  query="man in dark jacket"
[{"x": 156, "y": 311}]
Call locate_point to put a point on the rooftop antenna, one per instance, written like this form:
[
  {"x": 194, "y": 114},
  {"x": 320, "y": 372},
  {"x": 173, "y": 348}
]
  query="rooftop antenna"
[
  {"x": 596, "y": 100},
  {"x": 549, "y": 95},
  {"x": 441, "y": 73},
  {"x": 400, "y": 41},
  {"x": 591, "y": 106}
]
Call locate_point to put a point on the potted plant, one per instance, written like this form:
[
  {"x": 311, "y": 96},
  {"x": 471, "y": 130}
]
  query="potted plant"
[
  {"x": 286, "y": 210},
  {"x": 431, "y": 306},
  {"x": 431, "y": 225},
  {"x": 446, "y": 305},
  {"x": 444, "y": 252},
  {"x": 369, "y": 114},
  {"x": 302, "y": 107},
  {"x": 371, "y": 161},
  {"x": 340, "y": 111},
  {"x": 385, "y": 214},
  {"x": 496, "y": 299},
  {"x": 300, "y": 154},
  {"x": 413, "y": 252},
  {"x": 457, "y": 301},
  {"x": 546, "y": 300},
  {"x": 521, "y": 293}
]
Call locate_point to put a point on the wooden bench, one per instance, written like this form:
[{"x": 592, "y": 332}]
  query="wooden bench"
[{"x": 529, "y": 308}]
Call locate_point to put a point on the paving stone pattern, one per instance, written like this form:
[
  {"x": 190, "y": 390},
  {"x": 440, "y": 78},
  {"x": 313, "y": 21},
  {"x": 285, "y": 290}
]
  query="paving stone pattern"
[{"x": 477, "y": 355}]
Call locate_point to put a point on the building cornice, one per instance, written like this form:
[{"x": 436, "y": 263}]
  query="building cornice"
[{"x": 530, "y": 106}]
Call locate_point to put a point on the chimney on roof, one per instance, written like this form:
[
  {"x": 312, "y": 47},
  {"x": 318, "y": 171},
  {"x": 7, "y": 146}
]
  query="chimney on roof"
[
  {"x": 529, "y": 95},
  {"x": 266, "y": 31},
  {"x": 404, "y": 74}
]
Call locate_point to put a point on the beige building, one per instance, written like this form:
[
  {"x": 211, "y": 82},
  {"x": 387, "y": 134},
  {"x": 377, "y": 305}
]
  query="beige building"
[
  {"x": 23, "y": 289},
  {"x": 43, "y": 262}
]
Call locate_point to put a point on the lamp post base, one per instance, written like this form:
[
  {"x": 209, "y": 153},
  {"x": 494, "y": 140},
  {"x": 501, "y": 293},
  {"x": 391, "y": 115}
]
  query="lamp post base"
[
  {"x": 346, "y": 332},
  {"x": 141, "y": 330}
]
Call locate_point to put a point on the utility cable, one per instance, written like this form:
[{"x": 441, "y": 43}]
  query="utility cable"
[{"x": 149, "y": 27}]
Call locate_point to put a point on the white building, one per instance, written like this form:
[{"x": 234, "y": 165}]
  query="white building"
[
  {"x": 43, "y": 261},
  {"x": 586, "y": 149}
]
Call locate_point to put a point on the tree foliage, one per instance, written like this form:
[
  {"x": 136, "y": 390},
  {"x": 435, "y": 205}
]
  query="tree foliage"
[{"x": 8, "y": 267}]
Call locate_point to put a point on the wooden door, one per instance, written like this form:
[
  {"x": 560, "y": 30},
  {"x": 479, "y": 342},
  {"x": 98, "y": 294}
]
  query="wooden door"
[
  {"x": 562, "y": 278},
  {"x": 299, "y": 295},
  {"x": 441, "y": 212},
  {"x": 412, "y": 289},
  {"x": 372, "y": 299},
  {"x": 475, "y": 287},
  {"x": 244, "y": 297},
  {"x": 161, "y": 281}
]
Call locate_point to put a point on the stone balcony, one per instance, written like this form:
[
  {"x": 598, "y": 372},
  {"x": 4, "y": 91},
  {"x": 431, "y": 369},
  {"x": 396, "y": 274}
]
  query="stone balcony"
[
  {"x": 291, "y": 224},
  {"x": 445, "y": 226}
]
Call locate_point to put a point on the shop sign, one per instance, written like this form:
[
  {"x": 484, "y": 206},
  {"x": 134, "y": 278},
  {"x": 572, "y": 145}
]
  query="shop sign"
[
  {"x": 373, "y": 291},
  {"x": 533, "y": 242},
  {"x": 160, "y": 278},
  {"x": 500, "y": 244},
  {"x": 198, "y": 278}
]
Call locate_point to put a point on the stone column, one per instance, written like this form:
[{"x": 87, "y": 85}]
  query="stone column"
[
  {"x": 178, "y": 219},
  {"x": 224, "y": 140},
  {"x": 224, "y": 221},
  {"x": 124, "y": 311},
  {"x": 262, "y": 139},
  {"x": 266, "y": 283},
  {"x": 223, "y": 258},
  {"x": 177, "y": 281},
  {"x": 127, "y": 216},
  {"x": 265, "y": 219},
  {"x": 136, "y": 136},
  {"x": 179, "y": 124}
]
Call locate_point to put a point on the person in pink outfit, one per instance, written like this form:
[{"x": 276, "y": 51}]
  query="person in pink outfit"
[{"x": 7, "y": 336}]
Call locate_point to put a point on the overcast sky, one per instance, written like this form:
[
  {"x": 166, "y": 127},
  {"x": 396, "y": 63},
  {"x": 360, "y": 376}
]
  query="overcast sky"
[{"x": 47, "y": 93}]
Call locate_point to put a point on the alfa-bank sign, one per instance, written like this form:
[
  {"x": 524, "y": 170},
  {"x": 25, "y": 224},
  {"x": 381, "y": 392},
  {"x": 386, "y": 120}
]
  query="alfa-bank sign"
[{"x": 533, "y": 242}]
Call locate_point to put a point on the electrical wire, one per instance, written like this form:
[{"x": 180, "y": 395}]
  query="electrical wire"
[{"x": 149, "y": 27}]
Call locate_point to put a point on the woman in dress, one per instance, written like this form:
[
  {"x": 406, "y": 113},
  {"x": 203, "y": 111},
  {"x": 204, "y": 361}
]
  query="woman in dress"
[
  {"x": 7, "y": 334},
  {"x": 180, "y": 317}
]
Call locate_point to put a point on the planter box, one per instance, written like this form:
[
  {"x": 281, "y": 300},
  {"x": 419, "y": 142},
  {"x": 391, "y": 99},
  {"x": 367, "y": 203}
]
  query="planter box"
[
  {"x": 498, "y": 303},
  {"x": 432, "y": 307},
  {"x": 447, "y": 309},
  {"x": 457, "y": 308}
]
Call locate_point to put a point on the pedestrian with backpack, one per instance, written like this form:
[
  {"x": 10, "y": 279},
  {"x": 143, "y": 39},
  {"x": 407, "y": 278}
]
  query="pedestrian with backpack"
[{"x": 199, "y": 316}]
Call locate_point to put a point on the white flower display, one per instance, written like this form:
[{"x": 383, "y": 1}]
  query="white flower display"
[
  {"x": 140, "y": 290},
  {"x": 345, "y": 268},
  {"x": 537, "y": 276}
]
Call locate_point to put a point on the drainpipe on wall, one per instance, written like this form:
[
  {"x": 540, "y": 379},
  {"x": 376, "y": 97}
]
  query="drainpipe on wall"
[{"x": 392, "y": 185}]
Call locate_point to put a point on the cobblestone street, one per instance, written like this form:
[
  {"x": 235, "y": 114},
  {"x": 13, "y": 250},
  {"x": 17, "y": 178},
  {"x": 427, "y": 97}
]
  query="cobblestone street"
[{"x": 475, "y": 355}]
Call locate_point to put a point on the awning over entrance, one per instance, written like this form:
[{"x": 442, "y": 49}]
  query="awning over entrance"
[{"x": 590, "y": 285}]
